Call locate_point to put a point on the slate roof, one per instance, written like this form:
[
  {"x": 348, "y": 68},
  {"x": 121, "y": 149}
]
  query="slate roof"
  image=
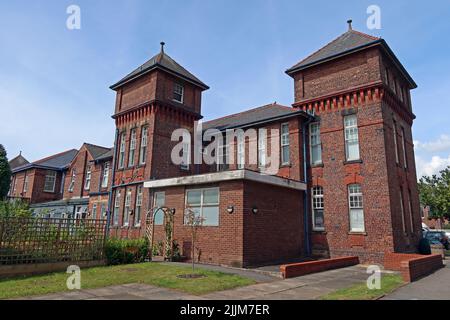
[
  {"x": 266, "y": 112},
  {"x": 347, "y": 42},
  {"x": 95, "y": 150},
  {"x": 164, "y": 62},
  {"x": 105, "y": 156},
  {"x": 57, "y": 162},
  {"x": 18, "y": 162}
]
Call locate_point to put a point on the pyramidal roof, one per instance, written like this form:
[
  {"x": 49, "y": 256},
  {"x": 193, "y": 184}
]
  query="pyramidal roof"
[
  {"x": 345, "y": 43},
  {"x": 164, "y": 62},
  {"x": 18, "y": 161}
]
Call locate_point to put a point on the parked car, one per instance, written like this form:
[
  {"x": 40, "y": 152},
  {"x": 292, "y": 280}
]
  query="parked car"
[
  {"x": 437, "y": 237},
  {"x": 425, "y": 228}
]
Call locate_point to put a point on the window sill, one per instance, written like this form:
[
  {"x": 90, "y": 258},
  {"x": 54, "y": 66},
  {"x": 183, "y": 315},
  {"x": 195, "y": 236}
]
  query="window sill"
[
  {"x": 320, "y": 231},
  {"x": 317, "y": 165},
  {"x": 352, "y": 161},
  {"x": 357, "y": 233},
  {"x": 286, "y": 165}
]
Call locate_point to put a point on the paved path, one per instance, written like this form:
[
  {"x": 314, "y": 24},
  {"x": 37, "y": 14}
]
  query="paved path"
[
  {"x": 302, "y": 288},
  {"x": 433, "y": 287}
]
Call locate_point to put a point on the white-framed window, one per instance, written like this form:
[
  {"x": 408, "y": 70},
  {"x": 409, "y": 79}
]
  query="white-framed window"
[
  {"x": 315, "y": 143},
  {"x": 186, "y": 151},
  {"x": 285, "y": 154},
  {"x": 132, "y": 153},
  {"x": 223, "y": 154},
  {"x": 240, "y": 150},
  {"x": 159, "y": 201},
  {"x": 25, "y": 183},
  {"x": 116, "y": 208},
  {"x": 405, "y": 159},
  {"x": 355, "y": 199},
  {"x": 102, "y": 211},
  {"x": 72, "y": 180},
  {"x": 144, "y": 143},
  {"x": 402, "y": 210},
  {"x": 318, "y": 209},
  {"x": 351, "y": 137},
  {"x": 87, "y": 182},
  {"x": 178, "y": 93},
  {"x": 204, "y": 203},
  {"x": 50, "y": 181},
  {"x": 395, "y": 141},
  {"x": 138, "y": 214},
  {"x": 127, "y": 209},
  {"x": 262, "y": 147},
  {"x": 123, "y": 137},
  {"x": 105, "y": 175},
  {"x": 94, "y": 211}
]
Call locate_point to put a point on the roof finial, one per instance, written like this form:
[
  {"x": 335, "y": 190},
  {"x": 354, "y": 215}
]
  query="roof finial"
[
  {"x": 162, "y": 46},
  {"x": 350, "y": 24},
  {"x": 20, "y": 152}
]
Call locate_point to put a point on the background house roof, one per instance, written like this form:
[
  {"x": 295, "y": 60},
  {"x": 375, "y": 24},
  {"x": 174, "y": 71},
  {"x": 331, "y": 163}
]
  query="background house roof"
[
  {"x": 105, "y": 156},
  {"x": 56, "y": 162},
  {"x": 164, "y": 62},
  {"x": 18, "y": 162},
  {"x": 96, "y": 151},
  {"x": 249, "y": 116}
]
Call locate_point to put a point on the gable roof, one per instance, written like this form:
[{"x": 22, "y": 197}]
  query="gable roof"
[
  {"x": 18, "y": 162},
  {"x": 164, "y": 62},
  {"x": 105, "y": 156},
  {"x": 252, "y": 116},
  {"x": 349, "y": 42},
  {"x": 58, "y": 161},
  {"x": 95, "y": 150}
]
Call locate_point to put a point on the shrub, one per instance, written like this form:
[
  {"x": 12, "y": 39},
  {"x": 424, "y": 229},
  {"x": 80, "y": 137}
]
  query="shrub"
[
  {"x": 125, "y": 251},
  {"x": 424, "y": 246}
]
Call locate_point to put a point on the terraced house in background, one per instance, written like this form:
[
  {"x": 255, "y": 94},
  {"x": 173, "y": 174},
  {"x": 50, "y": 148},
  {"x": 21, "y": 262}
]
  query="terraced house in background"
[{"x": 346, "y": 183}]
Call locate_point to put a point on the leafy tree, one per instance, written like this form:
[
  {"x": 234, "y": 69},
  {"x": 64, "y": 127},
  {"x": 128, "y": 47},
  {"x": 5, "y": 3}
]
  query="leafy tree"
[
  {"x": 435, "y": 192},
  {"x": 5, "y": 173},
  {"x": 16, "y": 209}
]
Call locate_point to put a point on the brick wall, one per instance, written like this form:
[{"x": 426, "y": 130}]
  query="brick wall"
[{"x": 413, "y": 266}]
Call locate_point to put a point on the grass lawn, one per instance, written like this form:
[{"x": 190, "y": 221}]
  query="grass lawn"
[
  {"x": 149, "y": 273},
  {"x": 389, "y": 282}
]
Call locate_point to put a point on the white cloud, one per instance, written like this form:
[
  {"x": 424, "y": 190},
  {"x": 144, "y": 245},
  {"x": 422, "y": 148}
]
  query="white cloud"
[
  {"x": 440, "y": 145},
  {"x": 429, "y": 167}
]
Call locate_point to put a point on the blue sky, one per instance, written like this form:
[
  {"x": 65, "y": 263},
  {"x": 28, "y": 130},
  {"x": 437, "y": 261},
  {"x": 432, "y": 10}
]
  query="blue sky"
[{"x": 54, "y": 82}]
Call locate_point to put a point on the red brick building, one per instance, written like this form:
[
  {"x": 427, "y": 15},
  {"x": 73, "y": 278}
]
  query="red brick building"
[{"x": 344, "y": 181}]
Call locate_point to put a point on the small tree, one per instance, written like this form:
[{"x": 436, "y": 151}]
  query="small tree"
[
  {"x": 194, "y": 221},
  {"x": 435, "y": 193},
  {"x": 5, "y": 173}
]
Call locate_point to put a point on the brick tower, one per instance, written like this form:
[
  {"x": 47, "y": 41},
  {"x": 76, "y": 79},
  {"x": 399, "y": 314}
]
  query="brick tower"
[
  {"x": 151, "y": 102},
  {"x": 362, "y": 175}
]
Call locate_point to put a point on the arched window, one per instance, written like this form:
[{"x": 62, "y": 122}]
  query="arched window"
[{"x": 317, "y": 207}]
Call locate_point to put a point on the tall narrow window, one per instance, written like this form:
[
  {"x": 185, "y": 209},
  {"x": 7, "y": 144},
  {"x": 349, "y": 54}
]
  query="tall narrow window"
[
  {"x": 122, "y": 150},
  {"x": 94, "y": 211},
  {"x": 50, "y": 181},
  {"x": 138, "y": 215},
  {"x": 223, "y": 150},
  {"x": 25, "y": 184},
  {"x": 159, "y": 201},
  {"x": 317, "y": 205},
  {"x": 285, "y": 144},
  {"x": 405, "y": 159},
  {"x": 72, "y": 180},
  {"x": 402, "y": 210},
  {"x": 351, "y": 137},
  {"x": 126, "y": 212},
  {"x": 144, "y": 142},
  {"x": 410, "y": 211},
  {"x": 178, "y": 93},
  {"x": 132, "y": 152},
  {"x": 105, "y": 175},
  {"x": 116, "y": 208},
  {"x": 102, "y": 211},
  {"x": 262, "y": 145},
  {"x": 386, "y": 71},
  {"x": 186, "y": 151},
  {"x": 316, "y": 143},
  {"x": 241, "y": 150},
  {"x": 87, "y": 182},
  {"x": 355, "y": 199},
  {"x": 395, "y": 141}
]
